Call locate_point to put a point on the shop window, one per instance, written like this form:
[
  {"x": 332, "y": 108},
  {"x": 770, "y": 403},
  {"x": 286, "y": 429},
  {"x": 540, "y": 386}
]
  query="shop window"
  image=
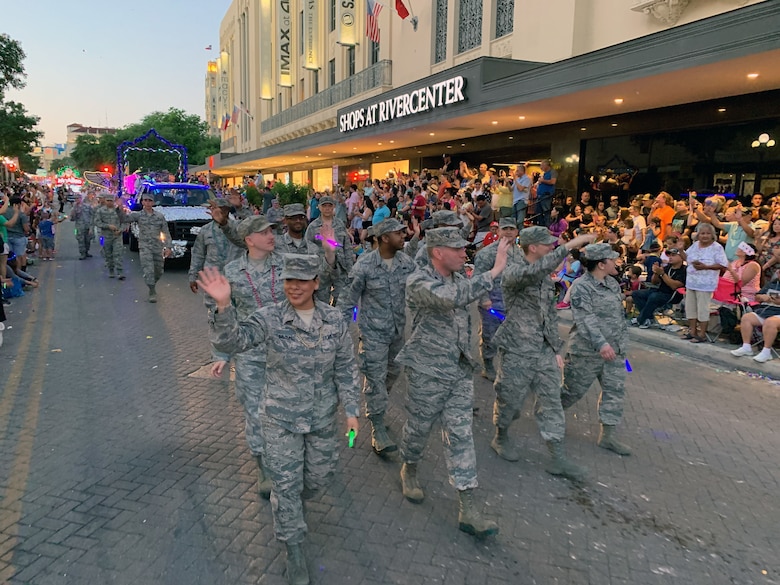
[
  {"x": 505, "y": 17},
  {"x": 440, "y": 46},
  {"x": 469, "y": 25}
]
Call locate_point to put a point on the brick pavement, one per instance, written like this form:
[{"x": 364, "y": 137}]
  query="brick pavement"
[{"x": 116, "y": 466}]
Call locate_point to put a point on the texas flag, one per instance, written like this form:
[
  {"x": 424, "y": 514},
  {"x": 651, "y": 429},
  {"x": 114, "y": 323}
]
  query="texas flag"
[{"x": 401, "y": 9}]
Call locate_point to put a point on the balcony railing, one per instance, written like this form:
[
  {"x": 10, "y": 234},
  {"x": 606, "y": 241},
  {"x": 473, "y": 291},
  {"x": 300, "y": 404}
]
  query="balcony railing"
[{"x": 378, "y": 75}]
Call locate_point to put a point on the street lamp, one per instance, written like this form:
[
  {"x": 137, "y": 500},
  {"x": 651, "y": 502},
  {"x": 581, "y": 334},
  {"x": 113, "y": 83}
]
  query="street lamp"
[{"x": 766, "y": 141}]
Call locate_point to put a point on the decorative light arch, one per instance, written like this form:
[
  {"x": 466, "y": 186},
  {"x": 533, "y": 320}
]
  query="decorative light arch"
[{"x": 130, "y": 145}]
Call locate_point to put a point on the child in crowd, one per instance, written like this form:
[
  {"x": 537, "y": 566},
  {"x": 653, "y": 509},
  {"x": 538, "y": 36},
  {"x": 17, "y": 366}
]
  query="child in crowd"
[
  {"x": 46, "y": 236},
  {"x": 631, "y": 283}
]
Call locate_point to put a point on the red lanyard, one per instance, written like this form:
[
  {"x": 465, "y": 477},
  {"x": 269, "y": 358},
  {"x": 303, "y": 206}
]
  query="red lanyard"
[{"x": 254, "y": 289}]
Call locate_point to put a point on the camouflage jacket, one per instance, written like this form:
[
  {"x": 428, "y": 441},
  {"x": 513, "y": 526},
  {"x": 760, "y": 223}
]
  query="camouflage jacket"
[
  {"x": 211, "y": 248},
  {"x": 379, "y": 291},
  {"x": 83, "y": 215},
  {"x": 309, "y": 370},
  {"x": 345, "y": 257},
  {"x": 152, "y": 228},
  {"x": 285, "y": 244},
  {"x": 105, "y": 217},
  {"x": 597, "y": 310},
  {"x": 529, "y": 303},
  {"x": 440, "y": 342},
  {"x": 484, "y": 261}
]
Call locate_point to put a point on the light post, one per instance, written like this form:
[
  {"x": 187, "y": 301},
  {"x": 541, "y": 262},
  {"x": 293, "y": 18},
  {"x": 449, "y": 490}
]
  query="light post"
[{"x": 763, "y": 141}]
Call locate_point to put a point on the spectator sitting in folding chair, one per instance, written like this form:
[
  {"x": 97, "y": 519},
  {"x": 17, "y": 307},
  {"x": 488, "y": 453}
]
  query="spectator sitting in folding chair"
[
  {"x": 668, "y": 279},
  {"x": 766, "y": 317}
]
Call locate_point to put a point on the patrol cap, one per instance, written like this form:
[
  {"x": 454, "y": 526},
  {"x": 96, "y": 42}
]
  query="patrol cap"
[
  {"x": 252, "y": 224},
  {"x": 300, "y": 267},
  {"x": 536, "y": 234},
  {"x": 601, "y": 251},
  {"x": 294, "y": 209},
  {"x": 444, "y": 237},
  {"x": 507, "y": 222},
  {"x": 445, "y": 217},
  {"x": 219, "y": 202},
  {"x": 387, "y": 226},
  {"x": 146, "y": 195},
  {"x": 325, "y": 199}
]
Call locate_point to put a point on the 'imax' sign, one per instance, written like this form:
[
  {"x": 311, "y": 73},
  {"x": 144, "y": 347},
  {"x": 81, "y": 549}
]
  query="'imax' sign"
[{"x": 420, "y": 100}]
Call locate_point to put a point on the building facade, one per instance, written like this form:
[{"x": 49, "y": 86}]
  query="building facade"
[
  {"x": 76, "y": 130},
  {"x": 212, "y": 95},
  {"x": 592, "y": 84}
]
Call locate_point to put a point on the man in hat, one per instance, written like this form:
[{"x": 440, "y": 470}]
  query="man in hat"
[
  {"x": 381, "y": 212},
  {"x": 83, "y": 214},
  {"x": 667, "y": 279},
  {"x": 440, "y": 369},
  {"x": 598, "y": 342},
  {"x": 111, "y": 221},
  {"x": 482, "y": 216},
  {"x": 378, "y": 287},
  {"x": 441, "y": 218},
  {"x": 327, "y": 226},
  {"x": 491, "y": 307},
  {"x": 293, "y": 240},
  {"x": 311, "y": 369},
  {"x": 529, "y": 347},
  {"x": 211, "y": 248},
  {"x": 275, "y": 214},
  {"x": 239, "y": 210},
  {"x": 154, "y": 242}
]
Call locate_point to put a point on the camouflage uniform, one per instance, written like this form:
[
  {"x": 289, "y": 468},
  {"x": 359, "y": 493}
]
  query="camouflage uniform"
[
  {"x": 83, "y": 214},
  {"x": 211, "y": 248},
  {"x": 528, "y": 342},
  {"x": 286, "y": 244},
  {"x": 153, "y": 235},
  {"x": 483, "y": 262},
  {"x": 335, "y": 282},
  {"x": 113, "y": 247},
  {"x": 597, "y": 309},
  {"x": 310, "y": 369},
  {"x": 379, "y": 290},
  {"x": 439, "y": 353},
  {"x": 441, "y": 218}
]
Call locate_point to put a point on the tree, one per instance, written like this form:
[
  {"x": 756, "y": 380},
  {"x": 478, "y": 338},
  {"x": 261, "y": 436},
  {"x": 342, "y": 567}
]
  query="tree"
[
  {"x": 288, "y": 193},
  {"x": 58, "y": 163},
  {"x": 89, "y": 154},
  {"x": 11, "y": 68},
  {"x": 18, "y": 135}
]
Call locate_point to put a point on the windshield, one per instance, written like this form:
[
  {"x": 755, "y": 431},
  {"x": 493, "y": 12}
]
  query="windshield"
[{"x": 182, "y": 197}]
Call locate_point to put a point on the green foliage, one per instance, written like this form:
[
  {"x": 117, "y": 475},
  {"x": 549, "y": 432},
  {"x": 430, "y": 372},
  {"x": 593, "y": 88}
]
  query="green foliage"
[
  {"x": 18, "y": 135},
  {"x": 174, "y": 125},
  {"x": 58, "y": 163},
  {"x": 254, "y": 197},
  {"x": 288, "y": 193},
  {"x": 11, "y": 68}
]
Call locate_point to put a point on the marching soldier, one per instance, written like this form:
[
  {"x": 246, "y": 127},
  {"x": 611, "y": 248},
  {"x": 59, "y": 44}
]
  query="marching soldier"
[
  {"x": 154, "y": 242},
  {"x": 83, "y": 214},
  {"x": 109, "y": 219},
  {"x": 331, "y": 287}
]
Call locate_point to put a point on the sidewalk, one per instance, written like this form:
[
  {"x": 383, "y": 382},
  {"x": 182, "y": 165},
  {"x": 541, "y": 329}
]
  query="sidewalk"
[{"x": 717, "y": 354}]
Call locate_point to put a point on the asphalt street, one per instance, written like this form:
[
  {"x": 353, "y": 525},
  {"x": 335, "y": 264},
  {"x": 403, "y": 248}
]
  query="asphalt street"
[{"x": 120, "y": 463}]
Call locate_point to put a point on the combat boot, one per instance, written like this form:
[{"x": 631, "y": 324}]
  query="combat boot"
[
  {"x": 470, "y": 520},
  {"x": 608, "y": 441},
  {"x": 152, "y": 294},
  {"x": 503, "y": 446},
  {"x": 561, "y": 466},
  {"x": 411, "y": 488},
  {"x": 263, "y": 481},
  {"x": 488, "y": 371},
  {"x": 380, "y": 440},
  {"x": 297, "y": 572},
  {"x": 111, "y": 273}
]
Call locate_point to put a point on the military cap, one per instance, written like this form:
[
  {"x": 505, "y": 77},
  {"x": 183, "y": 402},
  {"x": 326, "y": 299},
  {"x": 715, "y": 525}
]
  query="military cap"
[
  {"x": 252, "y": 224},
  {"x": 294, "y": 209},
  {"x": 146, "y": 195},
  {"x": 325, "y": 199},
  {"x": 444, "y": 237},
  {"x": 536, "y": 234},
  {"x": 445, "y": 217},
  {"x": 219, "y": 202},
  {"x": 507, "y": 222},
  {"x": 387, "y": 226},
  {"x": 602, "y": 251},
  {"x": 300, "y": 267}
]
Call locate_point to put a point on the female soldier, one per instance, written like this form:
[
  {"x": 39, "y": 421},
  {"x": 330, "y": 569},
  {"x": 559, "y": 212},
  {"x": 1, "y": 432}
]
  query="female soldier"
[
  {"x": 310, "y": 368},
  {"x": 598, "y": 341}
]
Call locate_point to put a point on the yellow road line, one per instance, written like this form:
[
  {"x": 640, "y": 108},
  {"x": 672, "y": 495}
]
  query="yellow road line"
[{"x": 11, "y": 501}]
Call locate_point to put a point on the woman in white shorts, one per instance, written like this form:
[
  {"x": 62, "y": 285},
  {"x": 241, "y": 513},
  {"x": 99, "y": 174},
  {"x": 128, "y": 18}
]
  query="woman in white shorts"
[{"x": 706, "y": 258}]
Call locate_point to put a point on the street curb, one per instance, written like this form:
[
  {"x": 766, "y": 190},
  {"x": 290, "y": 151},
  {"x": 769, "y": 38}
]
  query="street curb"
[{"x": 716, "y": 354}]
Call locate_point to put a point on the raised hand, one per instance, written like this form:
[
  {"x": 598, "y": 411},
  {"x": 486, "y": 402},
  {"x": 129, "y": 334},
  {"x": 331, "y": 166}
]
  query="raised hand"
[{"x": 214, "y": 284}]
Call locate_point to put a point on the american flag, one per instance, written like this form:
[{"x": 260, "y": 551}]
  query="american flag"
[{"x": 372, "y": 20}]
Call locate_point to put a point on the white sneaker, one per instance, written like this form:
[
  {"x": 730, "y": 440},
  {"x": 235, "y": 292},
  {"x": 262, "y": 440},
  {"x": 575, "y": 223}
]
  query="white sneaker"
[
  {"x": 646, "y": 324},
  {"x": 2, "y": 328},
  {"x": 634, "y": 322},
  {"x": 740, "y": 351},
  {"x": 762, "y": 357}
]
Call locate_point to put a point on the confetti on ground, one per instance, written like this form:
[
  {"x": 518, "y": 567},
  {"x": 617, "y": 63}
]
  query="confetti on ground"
[
  {"x": 149, "y": 337},
  {"x": 56, "y": 351}
]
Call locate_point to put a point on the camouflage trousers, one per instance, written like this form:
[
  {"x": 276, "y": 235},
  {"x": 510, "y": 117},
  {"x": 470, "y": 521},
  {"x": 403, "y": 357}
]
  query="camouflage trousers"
[
  {"x": 152, "y": 262},
  {"x": 377, "y": 364},
  {"x": 450, "y": 402},
  {"x": 331, "y": 287},
  {"x": 295, "y": 461},
  {"x": 538, "y": 372},
  {"x": 84, "y": 239},
  {"x": 490, "y": 325},
  {"x": 250, "y": 383},
  {"x": 113, "y": 251},
  {"x": 581, "y": 371}
]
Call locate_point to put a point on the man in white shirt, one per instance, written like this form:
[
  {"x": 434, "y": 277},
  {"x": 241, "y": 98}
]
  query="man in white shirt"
[{"x": 521, "y": 189}]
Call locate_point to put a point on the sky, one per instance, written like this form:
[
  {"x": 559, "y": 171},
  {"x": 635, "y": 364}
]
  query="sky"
[{"x": 108, "y": 64}]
